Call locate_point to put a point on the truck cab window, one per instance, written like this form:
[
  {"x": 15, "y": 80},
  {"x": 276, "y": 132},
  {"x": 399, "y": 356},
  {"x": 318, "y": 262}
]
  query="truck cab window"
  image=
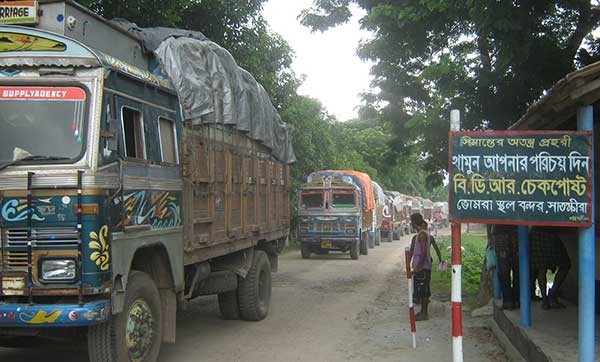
[
  {"x": 133, "y": 133},
  {"x": 312, "y": 200},
  {"x": 168, "y": 145},
  {"x": 345, "y": 199}
]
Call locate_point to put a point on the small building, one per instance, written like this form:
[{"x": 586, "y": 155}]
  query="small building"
[{"x": 561, "y": 334}]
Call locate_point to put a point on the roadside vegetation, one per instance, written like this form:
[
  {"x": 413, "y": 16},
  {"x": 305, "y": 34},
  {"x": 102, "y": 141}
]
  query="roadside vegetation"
[{"x": 474, "y": 244}]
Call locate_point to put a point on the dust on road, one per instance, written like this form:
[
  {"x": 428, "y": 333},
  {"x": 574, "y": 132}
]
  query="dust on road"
[{"x": 327, "y": 308}]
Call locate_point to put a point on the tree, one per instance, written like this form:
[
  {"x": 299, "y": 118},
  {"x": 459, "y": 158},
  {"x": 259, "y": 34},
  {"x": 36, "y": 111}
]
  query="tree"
[
  {"x": 237, "y": 26},
  {"x": 144, "y": 13},
  {"x": 313, "y": 138},
  {"x": 490, "y": 58}
]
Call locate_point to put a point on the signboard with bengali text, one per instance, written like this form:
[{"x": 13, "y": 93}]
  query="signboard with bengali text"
[{"x": 520, "y": 177}]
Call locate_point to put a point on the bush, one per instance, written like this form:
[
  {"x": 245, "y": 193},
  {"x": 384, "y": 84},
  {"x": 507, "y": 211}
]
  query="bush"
[{"x": 472, "y": 256}]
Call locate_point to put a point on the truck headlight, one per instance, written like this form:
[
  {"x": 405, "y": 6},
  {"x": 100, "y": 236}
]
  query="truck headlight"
[
  {"x": 58, "y": 269},
  {"x": 350, "y": 231}
]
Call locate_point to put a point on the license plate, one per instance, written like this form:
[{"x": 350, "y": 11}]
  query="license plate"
[
  {"x": 326, "y": 245},
  {"x": 13, "y": 285}
]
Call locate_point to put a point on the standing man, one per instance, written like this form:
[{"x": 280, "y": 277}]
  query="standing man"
[
  {"x": 549, "y": 253},
  {"x": 421, "y": 264},
  {"x": 505, "y": 241}
]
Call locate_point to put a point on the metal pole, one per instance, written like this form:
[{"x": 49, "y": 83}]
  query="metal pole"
[
  {"x": 456, "y": 296},
  {"x": 587, "y": 259},
  {"x": 525, "y": 293},
  {"x": 411, "y": 307}
]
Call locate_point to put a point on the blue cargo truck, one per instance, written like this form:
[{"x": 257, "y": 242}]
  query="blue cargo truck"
[
  {"x": 126, "y": 189},
  {"x": 330, "y": 217}
]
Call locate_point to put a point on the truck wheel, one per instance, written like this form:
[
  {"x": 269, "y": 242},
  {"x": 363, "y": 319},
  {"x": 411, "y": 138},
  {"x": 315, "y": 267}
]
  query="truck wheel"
[
  {"x": 135, "y": 334},
  {"x": 305, "y": 251},
  {"x": 377, "y": 238},
  {"x": 364, "y": 245},
  {"x": 371, "y": 241},
  {"x": 354, "y": 252},
  {"x": 229, "y": 306},
  {"x": 254, "y": 291}
]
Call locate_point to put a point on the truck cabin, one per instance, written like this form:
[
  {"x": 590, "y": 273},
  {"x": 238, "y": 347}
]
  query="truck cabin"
[
  {"x": 79, "y": 128},
  {"x": 333, "y": 199},
  {"x": 329, "y": 207}
]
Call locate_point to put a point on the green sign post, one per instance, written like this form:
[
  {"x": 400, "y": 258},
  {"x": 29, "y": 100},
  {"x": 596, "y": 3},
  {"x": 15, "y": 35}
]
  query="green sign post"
[{"x": 520, "y": 177}]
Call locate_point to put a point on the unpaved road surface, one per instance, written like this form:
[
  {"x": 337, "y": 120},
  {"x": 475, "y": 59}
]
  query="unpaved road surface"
[{"x": 328, "y": 308}]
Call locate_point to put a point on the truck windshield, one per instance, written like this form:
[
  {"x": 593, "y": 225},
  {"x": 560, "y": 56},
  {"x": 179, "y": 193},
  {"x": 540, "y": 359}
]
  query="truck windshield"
[
  {"x": 343, "y": 199},
  {"x": 41, "y": 123},
  {"x": 312, "y": 199}
]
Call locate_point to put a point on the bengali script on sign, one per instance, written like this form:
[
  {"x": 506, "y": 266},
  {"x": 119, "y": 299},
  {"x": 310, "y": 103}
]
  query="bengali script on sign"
[{"x": 528, "y": 178}]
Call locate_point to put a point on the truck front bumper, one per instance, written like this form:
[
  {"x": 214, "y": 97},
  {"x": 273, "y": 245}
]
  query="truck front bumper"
[
  {"x": 53, "y": 315},
  {"x": 330, "y": 243}
]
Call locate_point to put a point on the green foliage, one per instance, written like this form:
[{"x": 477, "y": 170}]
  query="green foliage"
[
  {"x": 472, "y": 256},
  {"x": 320, "y": 142},
  {"x": 237, "y": 26},
  {"x": 145, "y": 13},
  {"x": 490, "y": 58}
]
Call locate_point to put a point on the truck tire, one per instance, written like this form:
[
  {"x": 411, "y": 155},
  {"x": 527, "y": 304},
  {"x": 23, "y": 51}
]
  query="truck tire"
[
  {"x": 364, "y": 244},
  {"x": 305, "y": 251},
  {"x": 254, "y": 291},
  {"x": 136, "y": 333},
  {"x": 377, "y": 238},
  {"x": 229, "y": 305},
  {"x": 371, "y": 239},
  {"x": 354, "y": 252}
]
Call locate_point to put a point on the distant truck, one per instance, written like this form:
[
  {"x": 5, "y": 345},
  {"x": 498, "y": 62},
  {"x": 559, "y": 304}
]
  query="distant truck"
[
  {"x": 126, "y": 189},
  {"x": 400, "y": 211},
  {"x": 366, "y": 205},
  {"x": 378, "y": 218},
  {"x": 440, "y": 214},
  {"x": 387, "y": 225},
  {"x": 330, "y": 216}
]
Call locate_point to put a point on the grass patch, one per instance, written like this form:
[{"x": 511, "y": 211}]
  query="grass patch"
[{"x": 474, "y": 245}]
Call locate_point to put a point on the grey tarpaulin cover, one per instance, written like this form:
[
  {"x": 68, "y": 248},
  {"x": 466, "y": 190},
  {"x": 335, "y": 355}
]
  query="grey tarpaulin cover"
[{"x": 213, "y": 89}]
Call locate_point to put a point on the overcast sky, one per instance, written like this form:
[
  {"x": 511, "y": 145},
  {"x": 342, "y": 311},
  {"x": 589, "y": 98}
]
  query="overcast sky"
[{"x": 334, "y": 74}]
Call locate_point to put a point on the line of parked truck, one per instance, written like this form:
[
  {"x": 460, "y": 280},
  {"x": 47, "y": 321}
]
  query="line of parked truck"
[
  {"x": 344, "y": 210},
  {"x": 140, "y": 169}
]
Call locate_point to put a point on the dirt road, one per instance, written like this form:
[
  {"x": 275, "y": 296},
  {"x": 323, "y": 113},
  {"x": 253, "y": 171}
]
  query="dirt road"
[{"x": 328, "y": 308}]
